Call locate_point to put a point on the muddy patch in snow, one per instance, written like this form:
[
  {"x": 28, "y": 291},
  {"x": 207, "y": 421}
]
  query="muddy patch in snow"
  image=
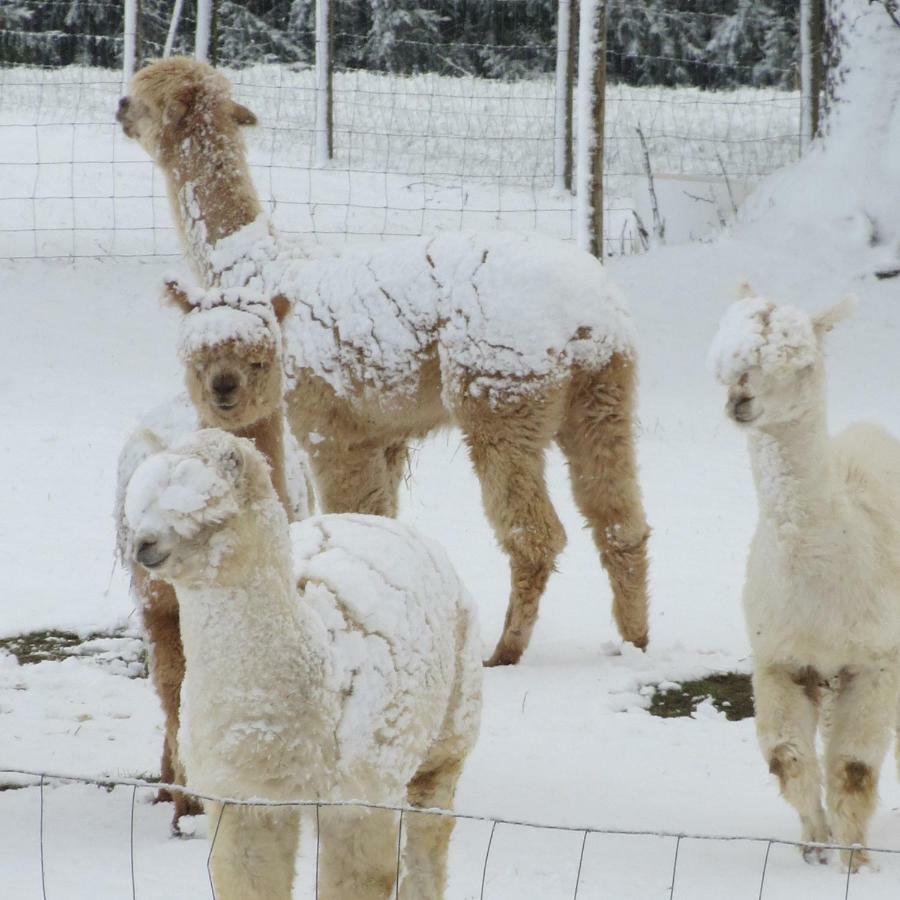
[
  {"x": 119, "y": 649},
  {"x": 729, "y": 692}
]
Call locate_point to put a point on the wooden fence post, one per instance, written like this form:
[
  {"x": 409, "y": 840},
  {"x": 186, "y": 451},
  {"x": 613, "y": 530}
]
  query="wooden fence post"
[
  {"x": 324, "y": 84},
  {"x": 812, "y": 67},
  {"x": 591, "y": 113}
]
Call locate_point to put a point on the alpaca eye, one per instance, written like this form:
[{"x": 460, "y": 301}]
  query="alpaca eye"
[{"x": 257, "y": 366}]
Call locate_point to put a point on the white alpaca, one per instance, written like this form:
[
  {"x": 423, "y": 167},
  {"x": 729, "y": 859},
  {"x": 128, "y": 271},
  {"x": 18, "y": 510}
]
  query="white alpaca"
[
  {"x": 239, "y": 347},
  {"x": 365, "y": 684},
  {"x": 822, "y": 593}
]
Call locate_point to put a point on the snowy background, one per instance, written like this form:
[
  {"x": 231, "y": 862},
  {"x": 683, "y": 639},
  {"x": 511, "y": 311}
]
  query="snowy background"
[{"x": 566, "y": 738}]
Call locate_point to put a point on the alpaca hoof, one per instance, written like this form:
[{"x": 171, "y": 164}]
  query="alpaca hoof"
[
  {"x": 504, "y": 656},
  {"x": 815, "y": 855},
  {"x": 859, "y": 859},
  {"x": 640, "y": 642}
]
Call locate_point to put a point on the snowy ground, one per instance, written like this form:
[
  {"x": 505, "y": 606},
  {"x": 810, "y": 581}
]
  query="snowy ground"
[{"x": 566, "y": 736}]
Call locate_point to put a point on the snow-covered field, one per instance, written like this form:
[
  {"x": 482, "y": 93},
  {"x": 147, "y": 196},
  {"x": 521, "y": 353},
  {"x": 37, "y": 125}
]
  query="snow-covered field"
[
  {"x": 412, "y": 155},
  {"x": 566, "y": 738}
]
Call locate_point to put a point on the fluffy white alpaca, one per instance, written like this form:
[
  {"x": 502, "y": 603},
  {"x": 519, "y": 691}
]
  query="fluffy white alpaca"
[
  {"x": 238, "y": 349},
  {"x": 822, "y": 593},
  {"x": 334, "y": 661}
]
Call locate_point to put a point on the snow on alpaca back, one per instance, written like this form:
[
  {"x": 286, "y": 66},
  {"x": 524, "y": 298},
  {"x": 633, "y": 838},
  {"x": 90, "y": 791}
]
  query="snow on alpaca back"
[
  {"x": 390, "y": 602},
  {"x": 517, "y": 309},
  {"x": 170, "y": 492},
  {"x": 754, "y": 333}
]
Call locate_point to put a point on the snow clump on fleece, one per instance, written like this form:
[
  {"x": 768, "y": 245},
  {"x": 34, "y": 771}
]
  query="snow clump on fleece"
[
  {"x": 181, "y": 494},
  {"x": 505, "y": 312},
  {"x": 755, "y": 334},
  {"x": 168, "y": 425},
  {"x": 228, "y": 315}
]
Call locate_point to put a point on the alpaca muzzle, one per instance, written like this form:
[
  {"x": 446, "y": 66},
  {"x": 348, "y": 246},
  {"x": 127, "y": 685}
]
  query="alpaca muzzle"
[{"x": 150, "y": 555}]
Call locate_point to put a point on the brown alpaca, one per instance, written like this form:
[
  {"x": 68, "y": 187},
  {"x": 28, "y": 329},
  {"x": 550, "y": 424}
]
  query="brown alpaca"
[
  {"x": 518, "y": 341},
  {"x": 234, "y": 378}
]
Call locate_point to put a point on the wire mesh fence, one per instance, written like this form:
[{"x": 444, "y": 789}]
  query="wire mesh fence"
[
  {"x": 100, "y": 838},
  {"x": 444, "y": 144}
]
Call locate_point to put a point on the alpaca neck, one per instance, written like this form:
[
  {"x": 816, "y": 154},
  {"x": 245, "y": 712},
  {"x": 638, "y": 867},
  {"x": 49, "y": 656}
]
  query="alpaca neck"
[
  {"x": 792, "y": 474},
  {"x": 268, "y": 435},
  {"x": 212, "y": 196},
  {"x": 245, "y": 621}
]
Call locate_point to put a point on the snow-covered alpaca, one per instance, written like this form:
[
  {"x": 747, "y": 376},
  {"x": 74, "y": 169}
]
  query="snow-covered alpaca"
[
  {"x": 822, "y": 592},
  {"x": 238, "y": 351},
  {"x": 336, "y": 660},
  {"x": 517, "y": 340}
]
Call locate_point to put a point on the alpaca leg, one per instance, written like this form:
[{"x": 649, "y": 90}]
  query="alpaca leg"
[
  {"x": 357, "y": 853},
  {"x": 857, "y": 741},
  {"x": 597, "y": 438},
  {"x": 159, "y": 610},
  {"x": 428, "y": 836},
  {"x": 360, "y": 479},
  {"x": 253, "y": 851},
  {"x": 786, "y": 718},
  {"x": 507, "y": 450},
  {"x": 396, "y": 458}
]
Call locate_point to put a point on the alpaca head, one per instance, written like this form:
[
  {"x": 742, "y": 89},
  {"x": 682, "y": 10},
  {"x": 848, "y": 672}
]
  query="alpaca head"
[
  {"x": 770, "y": 359},
  {"x": 231, "y": 349},
  {"x": 174, "y": 99},
  {"x": 184, "y": 506}
]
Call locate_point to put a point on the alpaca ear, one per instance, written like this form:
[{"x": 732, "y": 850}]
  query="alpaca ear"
[
  {"x": 745, "y": 290},
  {"x": 824, "y": 321},
  {"x": 281, "y": 306},
  {"x": 177, "y": 296},
  {"x": 177, "y": 108},
  {"x": 242, "y": 115}
]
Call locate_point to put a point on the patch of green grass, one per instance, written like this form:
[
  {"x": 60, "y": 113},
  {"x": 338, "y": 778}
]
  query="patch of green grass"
[{"x": 730, "y": 692}]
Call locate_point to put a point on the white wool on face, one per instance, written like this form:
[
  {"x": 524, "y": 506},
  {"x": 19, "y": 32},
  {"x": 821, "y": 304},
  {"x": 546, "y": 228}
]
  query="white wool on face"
[
  {"x": 171, "y": 492},
  {"x": 202, "y": 329},
  {"x": 757, "y": 334}
]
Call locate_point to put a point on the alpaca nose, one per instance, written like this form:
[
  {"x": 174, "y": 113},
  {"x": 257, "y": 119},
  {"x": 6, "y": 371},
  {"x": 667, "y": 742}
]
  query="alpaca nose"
[
  {"x": 150, "y": 554},
  {"x": 741, "y": 408},
  {"x": 224, "y": 384},
  {"x": 124, "y": 103}
]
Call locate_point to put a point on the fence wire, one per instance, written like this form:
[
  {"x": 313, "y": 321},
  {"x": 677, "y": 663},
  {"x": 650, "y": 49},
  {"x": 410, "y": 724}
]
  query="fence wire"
[
  {"x": 488, "y": 867},
  {"x": 447, "y": 148}
]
